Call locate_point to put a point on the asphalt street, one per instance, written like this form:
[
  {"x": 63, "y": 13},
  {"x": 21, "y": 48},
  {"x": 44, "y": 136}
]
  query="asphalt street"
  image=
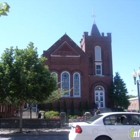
[{"x": 62, "y": 137}]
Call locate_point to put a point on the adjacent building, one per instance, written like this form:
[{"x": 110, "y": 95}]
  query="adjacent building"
[{"x": 134, "y": 104}]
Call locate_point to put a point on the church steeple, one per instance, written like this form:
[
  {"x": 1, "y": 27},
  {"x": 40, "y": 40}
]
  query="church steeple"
[{"x": 94, "y": 31}]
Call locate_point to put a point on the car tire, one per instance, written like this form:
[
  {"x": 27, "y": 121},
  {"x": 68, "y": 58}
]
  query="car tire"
[{"x": 103, "y": 138}]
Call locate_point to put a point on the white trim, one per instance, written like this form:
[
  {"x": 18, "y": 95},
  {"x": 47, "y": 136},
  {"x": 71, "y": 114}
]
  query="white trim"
[
  {"x": 64, "y": 55},
  {"x": 97, "y": 91},
  {"x": 136, "y": 98},
  {"x": 98, "y": 63},
  {"x": 98, "y": 53}
]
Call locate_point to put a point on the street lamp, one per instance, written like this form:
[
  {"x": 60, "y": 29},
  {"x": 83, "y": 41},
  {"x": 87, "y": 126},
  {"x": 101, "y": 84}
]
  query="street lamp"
[{"x": 134, "y": 74}]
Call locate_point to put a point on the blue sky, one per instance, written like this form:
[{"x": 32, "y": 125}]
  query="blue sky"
[{"x": 43, "y": 22}]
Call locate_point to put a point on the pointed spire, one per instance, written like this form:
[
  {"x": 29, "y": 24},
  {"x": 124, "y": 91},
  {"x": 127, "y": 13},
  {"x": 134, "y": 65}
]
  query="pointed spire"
[{"x": 94, "y": 30}]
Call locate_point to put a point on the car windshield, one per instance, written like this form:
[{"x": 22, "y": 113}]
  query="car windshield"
[{"x": 92, "y": 119}]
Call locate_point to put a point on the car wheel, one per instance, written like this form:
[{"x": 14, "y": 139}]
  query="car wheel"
[{"x": 103, "y": 138}]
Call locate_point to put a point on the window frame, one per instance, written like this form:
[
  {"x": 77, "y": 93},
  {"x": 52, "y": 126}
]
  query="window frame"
[
  {"x": 79, "y": 84},
  {"x": 98, "y": 56},
  {"x": 98, "y": 64},
  {"x": 66, "y": 94},
  {"x": 56, "y": 75}
]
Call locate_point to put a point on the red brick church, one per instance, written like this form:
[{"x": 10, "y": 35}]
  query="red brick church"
[{"x": 86, "y": 69}]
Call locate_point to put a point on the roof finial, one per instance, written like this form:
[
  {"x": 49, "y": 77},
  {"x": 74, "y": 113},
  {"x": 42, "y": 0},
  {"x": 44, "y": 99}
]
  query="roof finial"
[{"x": 93, "y": 16}]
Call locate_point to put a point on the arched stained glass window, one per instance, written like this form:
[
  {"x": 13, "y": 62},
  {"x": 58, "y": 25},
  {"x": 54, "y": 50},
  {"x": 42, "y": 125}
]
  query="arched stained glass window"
[
  {"x": 55, "y": 75},
  {"x": 76, "y": 85},
  {"x": 98, "y": 53},
  {"x": 65, "y": 83}
]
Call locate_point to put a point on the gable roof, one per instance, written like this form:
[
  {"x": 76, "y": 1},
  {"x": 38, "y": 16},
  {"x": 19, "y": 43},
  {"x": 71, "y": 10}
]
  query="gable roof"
[
  {"x": 65, "y": 47},
  {"x": 65, "y": 50}
]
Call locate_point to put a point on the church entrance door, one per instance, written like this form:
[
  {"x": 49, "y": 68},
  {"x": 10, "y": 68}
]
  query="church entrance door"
[{"x": 99, "y": 97}]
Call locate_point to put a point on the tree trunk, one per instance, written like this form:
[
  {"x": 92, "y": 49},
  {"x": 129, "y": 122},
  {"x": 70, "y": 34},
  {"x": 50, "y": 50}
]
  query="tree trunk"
[
  {"x": 30, "y": 112},
  {"x": 5, "y": 110}
]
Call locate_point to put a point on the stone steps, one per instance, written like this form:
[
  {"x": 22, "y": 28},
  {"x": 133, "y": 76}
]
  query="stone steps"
[{"x": 103, "y": 110}]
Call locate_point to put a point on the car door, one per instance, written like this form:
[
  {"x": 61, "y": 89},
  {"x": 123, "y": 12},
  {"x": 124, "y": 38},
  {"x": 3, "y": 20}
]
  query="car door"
[
  {"x": 135, "y": 130},
  {"x": 116, "y": 127}
]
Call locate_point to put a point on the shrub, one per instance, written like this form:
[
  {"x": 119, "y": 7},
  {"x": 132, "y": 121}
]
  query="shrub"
[
  {"x": 73, "y": 116},
  {"x": 55, "y": 117},
  {"x": 51, "y": 114}
]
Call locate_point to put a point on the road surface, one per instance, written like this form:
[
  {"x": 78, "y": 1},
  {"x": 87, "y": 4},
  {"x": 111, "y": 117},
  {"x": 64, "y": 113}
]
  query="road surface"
[{"x": 61, "y": 137}]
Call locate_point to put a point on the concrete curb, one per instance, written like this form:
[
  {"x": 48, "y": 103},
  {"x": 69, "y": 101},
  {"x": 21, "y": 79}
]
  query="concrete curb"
[{"x": 37, "y": 132}]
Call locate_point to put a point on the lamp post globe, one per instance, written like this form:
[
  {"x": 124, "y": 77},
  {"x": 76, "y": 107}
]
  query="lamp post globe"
[
  {"x": 134, "y": 74},
  {"x": 138, "y": 73}
]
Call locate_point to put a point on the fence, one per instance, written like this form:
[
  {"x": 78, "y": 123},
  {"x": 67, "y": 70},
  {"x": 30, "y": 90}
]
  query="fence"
[
  {"x": 30, "y": 123},
  {"x": 39, "y": 123}
]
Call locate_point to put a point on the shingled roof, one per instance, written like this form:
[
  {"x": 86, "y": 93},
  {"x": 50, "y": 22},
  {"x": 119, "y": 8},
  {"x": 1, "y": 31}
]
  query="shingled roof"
[{"x": 95, "y": 31}]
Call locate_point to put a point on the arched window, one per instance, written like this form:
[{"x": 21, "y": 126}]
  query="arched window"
[
  {"x": 76, "y": 85},
  {"x": 98, "y": 53},
  {"x": 55, "y": 75},
  {"x": 99, "y": 88},
  {"x": 65, "y": 83}
]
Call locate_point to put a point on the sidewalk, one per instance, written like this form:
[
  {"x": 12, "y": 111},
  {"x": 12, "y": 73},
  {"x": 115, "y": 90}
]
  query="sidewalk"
[{"x": 42, "y": 131}]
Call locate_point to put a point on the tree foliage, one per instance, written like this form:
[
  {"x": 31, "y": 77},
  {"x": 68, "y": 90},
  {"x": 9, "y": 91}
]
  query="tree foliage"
[
  {"x": 4, "y": 9},
  {"x": 118, "y": 92},
  {"x": 24, "y": 78}
]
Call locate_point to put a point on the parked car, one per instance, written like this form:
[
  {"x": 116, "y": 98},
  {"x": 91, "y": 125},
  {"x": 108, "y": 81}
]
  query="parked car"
[{"x": 108, "y": 126}]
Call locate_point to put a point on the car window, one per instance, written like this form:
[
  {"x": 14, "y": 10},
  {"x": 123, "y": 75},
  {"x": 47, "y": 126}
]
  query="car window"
[
  {"x": 92, "y": 119},
  {"x": 135, "y": 119},
  {"x": 117, "y": 119},
  {"x": 110, "y": 120}
]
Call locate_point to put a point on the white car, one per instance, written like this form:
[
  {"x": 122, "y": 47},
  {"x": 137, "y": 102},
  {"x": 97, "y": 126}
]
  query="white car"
[{"x": 108, "y": 126}]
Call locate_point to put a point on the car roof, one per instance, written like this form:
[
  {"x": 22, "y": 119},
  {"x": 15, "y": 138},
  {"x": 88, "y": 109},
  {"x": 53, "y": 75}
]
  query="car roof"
[{"x": 112, "y": 113}]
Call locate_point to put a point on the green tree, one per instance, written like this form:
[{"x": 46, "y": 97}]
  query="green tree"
[
  {"x": 118, "y": 92},
  {"x": 4, "y": 9},
  {"x": 55, "y": 95},
  {"x": 24, "y": 78}
]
